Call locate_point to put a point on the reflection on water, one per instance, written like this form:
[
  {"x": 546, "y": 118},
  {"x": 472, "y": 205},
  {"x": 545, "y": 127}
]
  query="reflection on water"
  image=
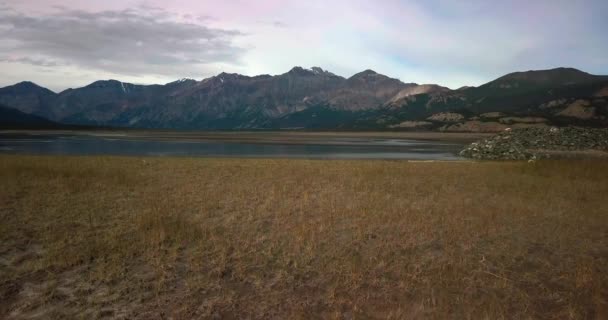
[{"x": 328, "y": 148}]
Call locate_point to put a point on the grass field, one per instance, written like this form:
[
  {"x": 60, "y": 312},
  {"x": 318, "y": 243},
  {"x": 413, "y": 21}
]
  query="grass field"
[{"x": 156, "y": 238}]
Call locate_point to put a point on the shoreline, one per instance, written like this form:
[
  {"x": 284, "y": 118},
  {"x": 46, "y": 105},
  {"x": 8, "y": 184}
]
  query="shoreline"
[{"x": 264, "y": 136}]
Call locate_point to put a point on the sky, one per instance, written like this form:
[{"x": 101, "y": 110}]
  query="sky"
[{"x": 71, "y": 43}]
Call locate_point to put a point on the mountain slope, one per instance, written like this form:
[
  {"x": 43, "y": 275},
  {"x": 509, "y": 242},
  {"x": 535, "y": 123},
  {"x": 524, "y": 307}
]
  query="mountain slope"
[
  {"x": 542, "y": 78},
  {"x": 236, "y": 101},
  {"x": 366, "y": 90},
  {"x": 12, "y": 118},
  {"x": 315, "y": 98},
  {"x": 225, "y": 101},
  {"x": 541, "y": 94},
  {"x": 28, "y": 97},
  {"x": 418, "y": 89}
]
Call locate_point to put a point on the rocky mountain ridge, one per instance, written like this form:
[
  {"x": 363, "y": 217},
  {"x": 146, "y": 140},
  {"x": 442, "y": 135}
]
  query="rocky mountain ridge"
[{"x": 318, "y": 99}]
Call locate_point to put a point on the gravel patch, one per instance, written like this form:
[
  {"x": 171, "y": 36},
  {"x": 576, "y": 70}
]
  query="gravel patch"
[{"x": 535, "y": 143}]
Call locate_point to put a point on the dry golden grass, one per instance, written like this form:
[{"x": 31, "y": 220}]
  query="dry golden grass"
[{"x": 147, "y": 238}]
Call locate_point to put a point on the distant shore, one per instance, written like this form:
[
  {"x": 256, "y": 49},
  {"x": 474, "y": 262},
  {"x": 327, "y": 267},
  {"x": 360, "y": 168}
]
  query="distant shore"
[{"x": 269, "y": 137}]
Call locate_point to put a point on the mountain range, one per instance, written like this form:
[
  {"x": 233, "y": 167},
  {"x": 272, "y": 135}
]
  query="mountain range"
[{"x": 318, "y": 99}]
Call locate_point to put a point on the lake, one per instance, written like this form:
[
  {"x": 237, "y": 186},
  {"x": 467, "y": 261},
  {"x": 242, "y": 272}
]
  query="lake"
[{"x": 236, "y": 144}]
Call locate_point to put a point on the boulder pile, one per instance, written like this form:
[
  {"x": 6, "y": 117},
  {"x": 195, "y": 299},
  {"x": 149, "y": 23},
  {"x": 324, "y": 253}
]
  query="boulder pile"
[{"x": 533, "y": 143}]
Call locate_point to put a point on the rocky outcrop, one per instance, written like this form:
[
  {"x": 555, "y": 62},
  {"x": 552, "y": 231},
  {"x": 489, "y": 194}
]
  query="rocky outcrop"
[
  {"x": 513, "y": 120},
  {"x": 491, "y": 115},
  {"x": 580, "y": 109},
  {"x": 365, "y": 90},
  {"x": 535, "y": 143},
  {"x": 602, "y": 92},
  {"x": 420, "y": 89},
  {"x": 474, "y": 126},
  {"x": 412, "y": 125},
  {"x": 553, "y": 104},
  {"x": 446, "y": 117}
]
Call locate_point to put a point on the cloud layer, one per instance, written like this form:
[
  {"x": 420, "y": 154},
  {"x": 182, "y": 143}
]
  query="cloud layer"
[
  {"x": 452, "y": 43},
  {"x": 131, "y": 42}
]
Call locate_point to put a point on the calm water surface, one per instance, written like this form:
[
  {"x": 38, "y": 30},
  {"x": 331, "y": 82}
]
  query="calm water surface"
[{"x": 157, "y": 145}]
